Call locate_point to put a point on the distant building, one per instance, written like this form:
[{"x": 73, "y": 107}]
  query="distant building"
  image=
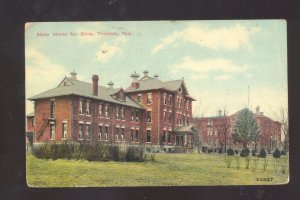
[
  {"x": 214, "y": 131},
  {"x": 149, "y": 111}
]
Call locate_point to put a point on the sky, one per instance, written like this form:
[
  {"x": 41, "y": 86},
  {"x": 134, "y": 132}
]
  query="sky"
[{"x": 218, "y": 60}]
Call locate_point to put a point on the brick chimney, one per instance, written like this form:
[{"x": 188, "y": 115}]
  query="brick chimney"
[
  {"x": 135, "y": 82},
  {"x": 73, "y": 75},
  {"x": 95, "y": 79}
]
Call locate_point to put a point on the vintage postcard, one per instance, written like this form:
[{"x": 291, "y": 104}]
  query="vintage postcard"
[{"x": 156, "y": 103}]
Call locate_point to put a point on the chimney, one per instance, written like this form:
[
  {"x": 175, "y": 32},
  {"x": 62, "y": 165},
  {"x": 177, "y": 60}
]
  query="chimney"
[
  {"x": 135, "y": 82},
  {"x": 110, "y": 85},
  {"x": 73, "y": 75},
  {"x": 95, "y": 79},
  {"x": 156, "y": 76},
  {"x": 146, "y": 72}
]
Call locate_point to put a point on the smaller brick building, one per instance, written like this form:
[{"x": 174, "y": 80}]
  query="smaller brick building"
[{"x": 216, "y": 132}]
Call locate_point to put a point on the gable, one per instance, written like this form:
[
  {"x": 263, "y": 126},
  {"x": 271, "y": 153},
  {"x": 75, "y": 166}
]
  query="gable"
[{"x": 65, "y": 82}]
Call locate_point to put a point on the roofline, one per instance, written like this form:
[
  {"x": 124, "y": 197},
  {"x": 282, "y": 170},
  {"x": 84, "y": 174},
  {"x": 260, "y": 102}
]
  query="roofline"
[{"x": 140, "y": 107}]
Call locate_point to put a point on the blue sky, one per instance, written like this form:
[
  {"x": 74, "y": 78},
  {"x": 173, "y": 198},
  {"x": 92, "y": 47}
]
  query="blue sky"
[{"x": 218, "y": 59}]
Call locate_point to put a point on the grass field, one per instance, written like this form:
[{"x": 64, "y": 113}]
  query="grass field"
[{"x": 167, "y": 170}]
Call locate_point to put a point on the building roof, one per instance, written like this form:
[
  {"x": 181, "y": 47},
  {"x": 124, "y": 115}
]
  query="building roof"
[
  {"x": 71, "y": 86},
  {"x": 185, "y": 129},
  {"x": 149, "y": 83}
]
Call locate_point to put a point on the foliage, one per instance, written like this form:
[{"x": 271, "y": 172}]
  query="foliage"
[
  {"x": 276, "y": 153},
  {"x": 245, "y": 152},
  {"x": 90, "y": 152},
  {"x": 262, "y": 153},
  {"x": 230, "y": 152},
  {"x": 245, "y": 129}
]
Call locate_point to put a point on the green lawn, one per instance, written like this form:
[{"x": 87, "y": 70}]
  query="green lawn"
[{"x": 168, "y": 170}]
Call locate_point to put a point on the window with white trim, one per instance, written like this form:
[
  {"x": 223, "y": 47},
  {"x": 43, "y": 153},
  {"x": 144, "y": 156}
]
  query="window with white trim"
[
  {"x": 88, "y": 133},
  {"x": 88, "y": 108},
  {"x": 148, "y": 135},
  {"x": 149, "y": 118},
  {"x": 169, "y": 136},
  {"x": 149, "y": 98},
  {"x": 170, "y": 100},
  {"x": 100, "y": 132},
  {"x": 136, "y": 135},
  {"x": 117, "y": 112},
  {"x": 165, "y": 117},
  {"x": 164, "y": 136},
  {"x": 117, "y": 133},
  {"x": 139, "y": 97},
  {"x": 122, "y": 134},
  {"x": 52, "y": 131},
  {"x": 101, "y": 109},
  {"x": 122, "y": 114},
  {"x": 52, "y": 108},
  {"x": 80, "y": 106},
  {"x": 132, "y": 114},
  {"x": 136, "y": 115},
  {"x": 106, "y": 132},
  {"x": 106, "y": 110},
  {"x": 80, "y": 132},
  {"x": 170, "y": 117},
  {"x": 131, "y": 136},
  {"x": 64, "y": 130},
  {"x": 165, "y": 99}
]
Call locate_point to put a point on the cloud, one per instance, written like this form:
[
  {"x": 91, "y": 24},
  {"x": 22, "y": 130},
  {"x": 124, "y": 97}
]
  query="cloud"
[
  {"x": 208, "y": 65},
  {"x": 41, "y": 74},
  {"x": 199, "y": 77},
  {"x": 107, "y": 51},
  {"x": 222, "y": 77},
  {"x": 232, "y": 37}
]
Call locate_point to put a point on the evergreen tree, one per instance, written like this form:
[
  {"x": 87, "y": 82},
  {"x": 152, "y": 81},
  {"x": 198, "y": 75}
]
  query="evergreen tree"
[{"x": 245, "y": 129}]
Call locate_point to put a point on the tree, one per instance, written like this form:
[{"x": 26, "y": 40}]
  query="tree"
[
  {"x": 284, "y": 120},
  {"x": 223, "y": 128},
  {"x": 245, "y": 128}
]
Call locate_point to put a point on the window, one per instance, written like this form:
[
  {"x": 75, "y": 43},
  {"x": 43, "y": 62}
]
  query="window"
[
  {"x": 106, "y": 111},
  {"x": 148, "y": 116},
  {"x": 122, "y": 134},
  {"x": 32, "y": 122},
  {"x": 165, "y": 117},
  {"x": 180, "y": 103},
  {"x": 170, "y": 117},
  {"x": 100, "y": 132},
  {"x": 131, "y": 136},
  {"x": 180, "y": 119},
  {"x": 136, "y": 116},
  {"x": 88, "y": 108},
  {"x": 64, "y": 130},
  {"x": 169, "y": 136},
  {"x": 187, "y": 105},
  {"x": 122, "y": 114},
  {"x": 165, "y": 99},
  {"x": 88, "y": 131},
  {"x": 164, "y": 136},
  {"x": 170, "y": 100},
  {"x": 136, "y": 135},
  {"x": 132, "y": 115},
  {"x": 148, "y": 135},
  {"x": 52, "y": 131},
  {"x": 183, "y": 119},
  {"x": 52, "y": 108},
  {"x": 106, "y": 132},
  {"x": 177, "y": 119},
  {"x": 184, "y": 104},
  {"x": 117, "y": 112},
  {"x": 101, "y": 109},
  {"x": 149, "y": 98},
  {"x": 177, "y": 101},
  {"x": 80, "y": 106},
  {"x": 80, "y": 136},
  {"x": 187, "y": 121},
  {"x": 117, "y": 134},
  {"x": 139, "y": 98}
]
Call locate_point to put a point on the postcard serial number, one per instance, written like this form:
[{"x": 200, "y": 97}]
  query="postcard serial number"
[{"x": 265, "y": 179}]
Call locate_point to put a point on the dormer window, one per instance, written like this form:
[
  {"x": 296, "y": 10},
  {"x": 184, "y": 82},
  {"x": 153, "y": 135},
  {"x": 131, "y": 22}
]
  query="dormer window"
[{"x": 139, "y": 98}]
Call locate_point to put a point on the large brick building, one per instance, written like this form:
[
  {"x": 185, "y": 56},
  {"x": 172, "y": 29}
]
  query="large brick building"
[
  {"x": 214, "y": 131},
  {"x": 149, "y": 111}
]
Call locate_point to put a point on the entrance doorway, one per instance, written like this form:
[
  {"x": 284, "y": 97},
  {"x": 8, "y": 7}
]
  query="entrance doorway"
[{"x": 179, "y": 140}]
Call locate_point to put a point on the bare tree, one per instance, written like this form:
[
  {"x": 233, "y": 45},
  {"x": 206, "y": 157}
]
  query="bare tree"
[
  {"x": 223, "y": 128},
  {"x": 284, "y": 120}
]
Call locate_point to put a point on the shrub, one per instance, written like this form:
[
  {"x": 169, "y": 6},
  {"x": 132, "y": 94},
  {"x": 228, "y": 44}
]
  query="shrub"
[
  {"x": 276, "y": 153},
  {"x": 253, "y": 152},
  {"x": 245, "y": 152},
  {"x": 220, "y": 150},
  {"x": 262, "y": 153},
  {"x": 283, "y": 152},
  {"x": 230, "y": 152},
  {"x": 236, "y": 151},
  {"x": 134, "y": 153}
]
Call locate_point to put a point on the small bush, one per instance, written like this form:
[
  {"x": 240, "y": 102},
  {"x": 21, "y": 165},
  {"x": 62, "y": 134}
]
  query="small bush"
[
  {"x": 253, "y": 152},
  {"x": 230, "y": 152},
  {"x": 220, "y": 150},
  {"x": 276, "y": 153},
  {"x": 245, "y": 152},
  {"x": 262, "y": 153}
]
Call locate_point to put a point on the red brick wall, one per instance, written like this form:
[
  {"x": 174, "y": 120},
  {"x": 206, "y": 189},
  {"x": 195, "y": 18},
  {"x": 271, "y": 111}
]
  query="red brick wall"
[
  {"x": 62, "y": 113},
  {"x": 30, "y": 123}
]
